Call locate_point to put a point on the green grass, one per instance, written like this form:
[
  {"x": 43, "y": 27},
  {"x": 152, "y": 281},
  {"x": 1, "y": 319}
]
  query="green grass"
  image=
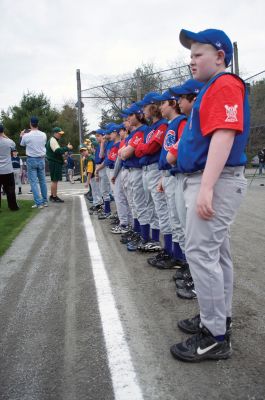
[{"x": 12, "y": 222}]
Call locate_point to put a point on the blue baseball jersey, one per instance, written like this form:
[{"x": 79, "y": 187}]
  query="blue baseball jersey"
[
  {"x": 194, "y": 144},
  {"x": 133, "y": 162},
  {"x": 98, "y": 160},
  {"x": 171, "y": 137},
  {"x": 112, "y": 155},
  {"x": 107, "y": 147},
  {"x": 149, "y": 135}
]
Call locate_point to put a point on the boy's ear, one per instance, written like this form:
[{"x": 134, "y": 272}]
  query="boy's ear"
[{"x": 220, "y": 57}]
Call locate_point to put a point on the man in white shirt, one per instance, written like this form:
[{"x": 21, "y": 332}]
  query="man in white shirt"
[{"x": 35, "y": 142}]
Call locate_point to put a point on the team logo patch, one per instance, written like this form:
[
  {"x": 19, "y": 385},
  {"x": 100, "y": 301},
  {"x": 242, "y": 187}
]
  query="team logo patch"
[
  {"x": 137, "y": 140},
  {"x": 170, "y": 139},
  {"x": 149, "y": 136},
  {"x": 159, "y": 134},
  {"x": 231, "y": 113}
]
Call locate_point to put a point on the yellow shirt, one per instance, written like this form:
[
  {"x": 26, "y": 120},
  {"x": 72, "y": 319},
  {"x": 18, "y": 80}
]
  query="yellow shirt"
[{"x": 89, "y": 167}]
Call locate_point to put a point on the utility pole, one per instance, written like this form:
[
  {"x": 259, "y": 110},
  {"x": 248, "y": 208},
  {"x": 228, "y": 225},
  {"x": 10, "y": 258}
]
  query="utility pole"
[
  {"x": 79, "y": 113},
  {"x": 138, "y": 85},
  {"x": 236, "y": 64},
  {"x": 79, "y": 104}
]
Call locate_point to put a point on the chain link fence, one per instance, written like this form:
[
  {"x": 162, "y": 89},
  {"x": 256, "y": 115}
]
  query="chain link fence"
[{"x": 256, "y": 86}]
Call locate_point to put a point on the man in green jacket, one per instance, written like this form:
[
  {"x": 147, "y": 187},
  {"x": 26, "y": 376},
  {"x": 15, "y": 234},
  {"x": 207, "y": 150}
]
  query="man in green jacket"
[{"x": 54, "y": 154}]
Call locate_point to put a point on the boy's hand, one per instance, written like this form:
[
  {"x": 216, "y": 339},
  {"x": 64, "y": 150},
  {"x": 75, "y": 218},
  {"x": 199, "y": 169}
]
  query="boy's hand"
[
  {"x": 159, "y": 187},
  {"x": 204, "y": 203},
  {"x": 70, "y": 147}
]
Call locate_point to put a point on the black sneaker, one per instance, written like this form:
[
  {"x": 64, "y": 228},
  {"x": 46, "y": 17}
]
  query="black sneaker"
[
  {"x": 193, "y": 325},
  {"x": 57, "y": 199},
  {"x": 188, "y": 292},
  {"x": 182, "y": 273},
  {"x": 202, "y": 346},
  {"x": 162, "y": 261}
]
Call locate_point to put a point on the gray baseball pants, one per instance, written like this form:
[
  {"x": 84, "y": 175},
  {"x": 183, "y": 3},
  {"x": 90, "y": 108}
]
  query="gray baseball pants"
[
  {"x": 208, "y": 245},
  {"x": 104, "y": 185},
  {"x": 156, "y": 201},
  {"x": 140, "y": 210},
  {"x": 95, "y": 191},
  {"x": 127, "y": 189},
  {"x": 169, "y": 186},
  {"x": 123, "y": 209}
]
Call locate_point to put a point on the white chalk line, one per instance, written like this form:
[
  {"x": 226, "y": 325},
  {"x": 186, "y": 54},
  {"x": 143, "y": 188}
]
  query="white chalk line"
[{"x": 124, "y": 380}]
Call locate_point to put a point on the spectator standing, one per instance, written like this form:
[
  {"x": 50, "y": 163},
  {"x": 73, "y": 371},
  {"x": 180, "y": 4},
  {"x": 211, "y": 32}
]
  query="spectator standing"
[
  {"x": 17, "y": 169},
  {"x": 35, "y": 141},
  {"x": 6, "y": 170},
  {"x": 55, "y": 158}
]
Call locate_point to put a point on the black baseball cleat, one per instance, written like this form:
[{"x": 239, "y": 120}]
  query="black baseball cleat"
[
  {"x": 182, "y": 273},
  {"x": 94, "y": 209},
  {"x": 149, "y": 246},
  {"x": 201, "y": 346},
  {"x": 104, "y": 215},
  {"x": 126, "y": 238},
  {"x": 133, "y": 245},
  {"x": 162, "y": 261},
  {"x": 188, "y": 292},
  {"x": 193, "y": 325},
  {"x": 182, "y": 283}
]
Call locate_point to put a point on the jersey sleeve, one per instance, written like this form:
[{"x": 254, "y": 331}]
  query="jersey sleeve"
[
  {"x": 174, "y": 149},
  {"x": 159, "y": 135},
  {"x": 136, "y": 139},
  {"x": 181, "y": 128},
  {"x": 222, "y": 106}
]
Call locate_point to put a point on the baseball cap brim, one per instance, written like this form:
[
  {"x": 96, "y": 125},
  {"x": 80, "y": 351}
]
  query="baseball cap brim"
[{"x": 187, "y": 37}]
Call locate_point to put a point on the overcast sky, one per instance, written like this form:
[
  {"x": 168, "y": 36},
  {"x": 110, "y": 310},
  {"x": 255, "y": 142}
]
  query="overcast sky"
[{"x": 43, "y": 42}]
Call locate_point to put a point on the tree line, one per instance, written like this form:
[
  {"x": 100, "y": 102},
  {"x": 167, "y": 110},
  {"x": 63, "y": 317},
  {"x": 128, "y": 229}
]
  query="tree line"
[{"x": 17, "y": 118}]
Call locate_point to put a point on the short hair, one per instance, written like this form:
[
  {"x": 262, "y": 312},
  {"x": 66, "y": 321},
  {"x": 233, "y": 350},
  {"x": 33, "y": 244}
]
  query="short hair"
[
  {"x": 141, "y": 118},
  {"x": 155, "y": 111},
  {"x": 174, "y": 104}
]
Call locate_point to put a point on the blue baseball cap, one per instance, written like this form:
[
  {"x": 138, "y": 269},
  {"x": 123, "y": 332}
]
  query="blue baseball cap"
[
  {"x": 113, "y": 128},
  {"x": 34, "y": 120},
  {"x": 121, "y": 126},
  {"x": 100, "y": 132},
  {"x": 191, "y": 86},
  {"x": 134, "y": 109},
  {"x": 149, "y": 98},
  {"x": 123, "y": 115},
  {"x": 217, "y": 38},
  {"x": 167, "y": 95}
]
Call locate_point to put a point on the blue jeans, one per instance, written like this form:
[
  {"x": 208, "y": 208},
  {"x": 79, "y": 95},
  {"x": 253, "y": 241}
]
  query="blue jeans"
[{"x": 36, "y": 174}]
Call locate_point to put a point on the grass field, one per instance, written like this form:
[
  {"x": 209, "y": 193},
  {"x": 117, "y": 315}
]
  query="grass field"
[{"x": 12, "y": 222}]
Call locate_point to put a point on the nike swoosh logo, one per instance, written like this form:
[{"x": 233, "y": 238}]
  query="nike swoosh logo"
[{"x": 203, "y": 351}]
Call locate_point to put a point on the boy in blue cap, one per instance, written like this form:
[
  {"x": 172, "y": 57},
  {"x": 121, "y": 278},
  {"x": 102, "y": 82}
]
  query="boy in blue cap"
[
  {"x": 101, "y": 174},
  {"x": 211, "y": 155},
  {"x": 187, "y": 95}
]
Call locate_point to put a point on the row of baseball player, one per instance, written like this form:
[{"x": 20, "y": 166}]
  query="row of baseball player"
[{"x": 176, "y": 168}]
